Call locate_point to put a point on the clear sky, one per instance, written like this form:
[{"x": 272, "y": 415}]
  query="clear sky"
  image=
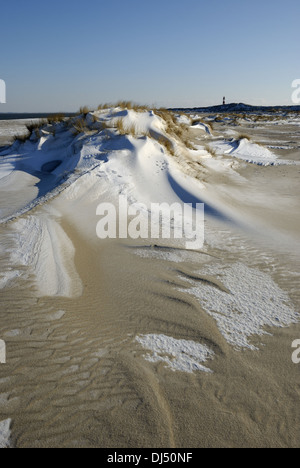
[{"x": 59, "y": 55}]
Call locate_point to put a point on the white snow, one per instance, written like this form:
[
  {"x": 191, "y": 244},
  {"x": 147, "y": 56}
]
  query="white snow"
[
  {"x": 254, "y": 153},
  {"x": 248, "y": 151},
  {"x": 84, "y": 170},
  {"x": 43, "y": 246},
  {"x": 5, "y": 433},
  {"x": 6, "y": 277},
  {"x": 202, "y": 126},
  {"x": 6, "y": 169},
  {"x": 55, "y": 316},
  {"x": 143, "y": 122},
  {"x": 137, "y": 168},
  {"x": 253, "y": 302},
  {"x": 179, "y": 355},
  {"x": 183, "y": 119},
  {"x": 89, "y": 169}
]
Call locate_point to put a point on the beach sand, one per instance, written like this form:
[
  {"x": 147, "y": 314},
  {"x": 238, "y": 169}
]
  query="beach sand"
[
  {"x": 76, "y": 376},
  {"x": 81, "y": 380}
]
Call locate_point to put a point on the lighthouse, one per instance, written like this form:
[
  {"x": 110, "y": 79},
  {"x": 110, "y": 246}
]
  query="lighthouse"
[{"x": 224, "y": 101}]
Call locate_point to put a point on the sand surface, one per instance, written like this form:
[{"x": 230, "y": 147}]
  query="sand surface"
[{"x": 79, "y": 373}]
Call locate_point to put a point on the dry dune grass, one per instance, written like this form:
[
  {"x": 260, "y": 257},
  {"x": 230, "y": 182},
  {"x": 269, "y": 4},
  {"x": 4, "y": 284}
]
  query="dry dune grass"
[
  {"x": 104, "y": 106},
  {"x": 203, "y": 122},
  {"x": 56, "y": 118},
  {"x": 175, "y": 129},
  {"x": 129, "y": 130},
  {"x": 129, "y": 105},
  {"x": 80, "y": 125},
  {"x": 31, "y": 129},
  {"x": 175, "y": 132},
  {"x": 84, "y": 110},
  {"x": 21, "y": 138},
  {"x": 243, "y": 136},
  {"x": 210, "y": 150}
]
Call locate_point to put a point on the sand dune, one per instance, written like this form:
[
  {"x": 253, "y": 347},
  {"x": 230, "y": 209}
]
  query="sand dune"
[{"x": 143, "y": 342}]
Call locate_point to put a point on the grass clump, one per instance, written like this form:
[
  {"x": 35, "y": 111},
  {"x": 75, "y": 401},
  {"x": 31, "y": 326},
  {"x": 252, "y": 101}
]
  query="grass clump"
[
  {"x": 36, "y": 125},
  {"x": 120, "y": 127},
  {"x": 125, "y": 105},
  {"x": 21, "y": 138},
  {"x": 33, "y": 128},
  {"x": 167, "y": 144},
  {"x": 84, "y": 110},
  {"x": 188, "y": 144},
  {"x": 174, "y": 129},
  {"x": 56, "y": 118},
  {"x": 132, "y": 131},
  {"x": 210, "y": 150},
  {"x": 80, "y": 126},
  {"x": 243, "y": 136},
  {"x": 129, "y": 130},
  {"x": 129, "y": 105},
  {"x": 104, "y": 106}
]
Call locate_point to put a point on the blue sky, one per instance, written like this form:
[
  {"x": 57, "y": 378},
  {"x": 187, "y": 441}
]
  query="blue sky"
[{"x": 59, "y": 55}]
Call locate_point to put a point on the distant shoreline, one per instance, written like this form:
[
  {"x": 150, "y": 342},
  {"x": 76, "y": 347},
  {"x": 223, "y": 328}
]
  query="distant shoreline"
[
  {"x": 227, "y": 108},
  {"x": 23, "y": 115},
  {"x": 239, "y": 107}
]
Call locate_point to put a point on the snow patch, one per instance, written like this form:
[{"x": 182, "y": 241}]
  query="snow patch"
[
  {"x": 43, "y": 246},
  {"x": 5, "y": 433},
  {"x": 179, "y": 355},
  {"x": 254, "y": 153},
  {"x": 249, "y": 302}
]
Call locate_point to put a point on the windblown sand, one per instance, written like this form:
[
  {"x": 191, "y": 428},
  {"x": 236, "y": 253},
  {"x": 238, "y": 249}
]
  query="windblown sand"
[
  {"x": 80, "y": 379},
  {"x": 81, "y": 371}
]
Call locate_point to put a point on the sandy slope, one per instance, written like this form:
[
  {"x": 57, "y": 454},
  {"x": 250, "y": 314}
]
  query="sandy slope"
[{"x": 143, "y": 343}]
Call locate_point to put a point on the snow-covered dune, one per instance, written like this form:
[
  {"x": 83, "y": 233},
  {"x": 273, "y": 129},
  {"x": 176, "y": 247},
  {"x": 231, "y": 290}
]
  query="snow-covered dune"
[
  {"x": 253, "y": 153},
  {"x": 119, "y": 152},
  {"x": 44, "y": 166},
  {"x": 138, "y": 155}
]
